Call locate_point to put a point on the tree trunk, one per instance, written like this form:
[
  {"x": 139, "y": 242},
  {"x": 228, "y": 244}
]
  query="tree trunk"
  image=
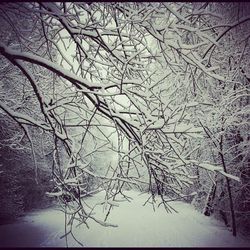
[
  {"x": 228, "y": 188},
  {"x": 209, "y": 207}
]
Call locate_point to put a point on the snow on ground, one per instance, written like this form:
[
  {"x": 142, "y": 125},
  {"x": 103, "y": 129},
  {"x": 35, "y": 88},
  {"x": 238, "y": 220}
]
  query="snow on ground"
[{"x": 138, "y": 226}]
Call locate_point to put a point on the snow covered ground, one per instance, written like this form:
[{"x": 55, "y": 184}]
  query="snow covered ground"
[{"x": 138, "y": 226}]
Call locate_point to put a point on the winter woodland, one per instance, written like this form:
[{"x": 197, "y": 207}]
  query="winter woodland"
[{"x": 110, "y": 97}]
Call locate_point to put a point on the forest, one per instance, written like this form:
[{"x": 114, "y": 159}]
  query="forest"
[{"x": 108, "y": 97}]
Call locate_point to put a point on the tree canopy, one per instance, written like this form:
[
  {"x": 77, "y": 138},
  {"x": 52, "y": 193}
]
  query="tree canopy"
[{"x": 159, "y": 89}]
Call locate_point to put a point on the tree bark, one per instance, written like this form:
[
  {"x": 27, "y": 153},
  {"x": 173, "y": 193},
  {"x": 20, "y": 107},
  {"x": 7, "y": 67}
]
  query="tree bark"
[
  {"x": 208, "y": 209},
  {"x": 228, "y": 188}
]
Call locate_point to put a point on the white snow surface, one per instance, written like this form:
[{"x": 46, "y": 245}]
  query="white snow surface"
[{"x": 139, "y": 226}]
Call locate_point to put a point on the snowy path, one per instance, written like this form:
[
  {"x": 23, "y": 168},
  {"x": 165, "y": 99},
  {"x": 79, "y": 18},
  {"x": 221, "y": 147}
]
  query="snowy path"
[{"x": 138, "y": 226}]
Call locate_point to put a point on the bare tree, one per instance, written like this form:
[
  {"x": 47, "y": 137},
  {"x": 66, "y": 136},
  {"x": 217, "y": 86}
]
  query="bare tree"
[{"x": 129, "y": 69}]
